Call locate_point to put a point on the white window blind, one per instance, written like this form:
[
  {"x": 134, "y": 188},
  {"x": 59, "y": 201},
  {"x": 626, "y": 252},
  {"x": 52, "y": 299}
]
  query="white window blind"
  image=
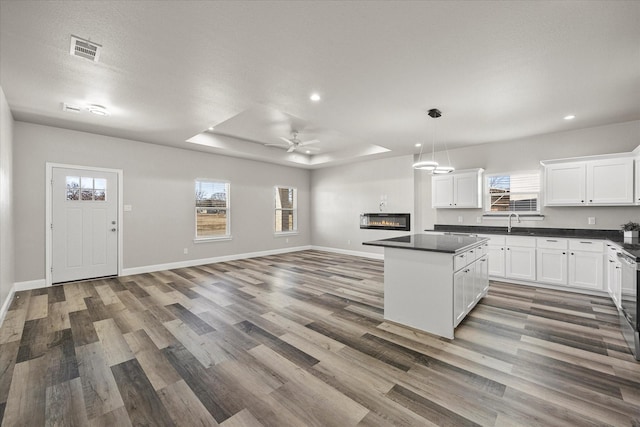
[{"x": 513, "y": 192}]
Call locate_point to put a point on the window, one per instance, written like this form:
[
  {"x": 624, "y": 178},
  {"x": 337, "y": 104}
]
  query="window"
[
  {"x": 286, "y": 210},
  {"x": 513, "y": 192},
  {"x": 86, "y": 188},
  {"x": 212, "y": 210}
]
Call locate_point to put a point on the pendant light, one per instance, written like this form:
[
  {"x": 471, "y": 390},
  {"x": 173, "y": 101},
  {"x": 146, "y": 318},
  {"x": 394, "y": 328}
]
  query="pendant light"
[{"x": 432, "y": 165}]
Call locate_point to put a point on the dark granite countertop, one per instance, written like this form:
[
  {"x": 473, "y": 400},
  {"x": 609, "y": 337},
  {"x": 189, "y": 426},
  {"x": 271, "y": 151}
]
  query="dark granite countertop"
[
  {"x": 614, "y": 236},
  {"x": 429, "y": 242}
]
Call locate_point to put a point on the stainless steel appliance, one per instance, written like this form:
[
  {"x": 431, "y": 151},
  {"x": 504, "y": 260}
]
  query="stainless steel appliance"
[{"x": 629, "y": 315}]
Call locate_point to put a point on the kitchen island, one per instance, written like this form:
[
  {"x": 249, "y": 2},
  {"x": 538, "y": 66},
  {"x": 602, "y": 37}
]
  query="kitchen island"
[{"x": 431, "y": 282}]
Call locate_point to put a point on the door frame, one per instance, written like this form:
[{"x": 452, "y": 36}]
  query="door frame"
[{"x": 49, "y": 213}]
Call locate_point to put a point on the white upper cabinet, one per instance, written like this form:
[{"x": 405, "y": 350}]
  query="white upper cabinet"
[
  {"x": 610, "y": 182},
  {"x": 461, "y": 189},
  {"x": 565, "y": 184},
  {"x": 605, "y": 181}
]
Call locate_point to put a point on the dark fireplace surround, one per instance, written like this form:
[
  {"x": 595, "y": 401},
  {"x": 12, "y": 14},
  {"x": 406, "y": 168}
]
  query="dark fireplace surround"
[{"x": 386, "y": 221}]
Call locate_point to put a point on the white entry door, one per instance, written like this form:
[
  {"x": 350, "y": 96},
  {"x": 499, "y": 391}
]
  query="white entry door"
[{"x": 84, "y": 224}]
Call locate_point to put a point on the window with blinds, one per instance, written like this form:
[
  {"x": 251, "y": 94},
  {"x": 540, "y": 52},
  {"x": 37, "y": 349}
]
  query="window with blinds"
[
  {"x": 513, "y": 192},
  {"x": 286, "y": 210}
]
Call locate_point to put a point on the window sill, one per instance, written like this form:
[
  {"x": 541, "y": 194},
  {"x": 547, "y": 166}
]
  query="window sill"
[
  {"x": 212, "y": 239},
  {"x": 524, "y": 217},
  {"x": 285, "y": 233}
]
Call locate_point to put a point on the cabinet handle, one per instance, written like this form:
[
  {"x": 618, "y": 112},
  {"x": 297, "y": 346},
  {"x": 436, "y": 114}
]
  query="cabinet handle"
[
  {"x": 564, "y": 253},
  {"x": 551, "y": 240},
  {"x": 581, "y": 201},
  {"x": 508, "y": 249},
  {"x": 611, "y": 260},
  {"x": 590, "y": 200},
  {"x": 502, "y": 249},
  {"x": 588, "y": 243},
  {"x": 571, "y": 253}
]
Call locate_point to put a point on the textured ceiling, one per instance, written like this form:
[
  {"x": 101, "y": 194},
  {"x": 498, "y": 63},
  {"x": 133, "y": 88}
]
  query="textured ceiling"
[{"x": 171, "y": 69}]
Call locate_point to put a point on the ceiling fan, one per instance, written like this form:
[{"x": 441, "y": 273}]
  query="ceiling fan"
[{"x": 293, "y": 143}]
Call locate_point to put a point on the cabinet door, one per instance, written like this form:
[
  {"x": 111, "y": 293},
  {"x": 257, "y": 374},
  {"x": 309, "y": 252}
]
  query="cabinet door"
[
  {"x": 585, "y": 270},
  {"x": 610, "y": 181},
  {"x": 496, "y": 261},
  {"x": 469, "y": 287},
  {"x": 551, "y": 266},
  {"x": 459, "y": 307},
  {"x": 521, "y": 263},
  {"x": 466, "y": 190},
  {"x": 565, "y": 184},
  {"x": 442, "y": 191},
  {"x": 613, "y": 278},
  {"x": 481, "y": 282}
]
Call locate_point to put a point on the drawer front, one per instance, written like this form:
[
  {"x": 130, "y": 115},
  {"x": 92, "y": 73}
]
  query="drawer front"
[
  {"x": 493, "y": 239},
  {"x": 526, "y": 242},
  {"x": 586, "y": 245},
  {"x": 461, "y": 260},
  {"x": 551, "y": 243}
]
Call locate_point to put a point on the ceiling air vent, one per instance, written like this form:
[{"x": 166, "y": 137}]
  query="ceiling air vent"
[
  {"x": 70, "y": 108},
  {"x": 85, "y": 49}
]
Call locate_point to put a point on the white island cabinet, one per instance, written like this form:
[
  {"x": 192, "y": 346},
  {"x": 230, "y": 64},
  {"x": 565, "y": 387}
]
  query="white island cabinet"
[{"x": 431, "y": 282}]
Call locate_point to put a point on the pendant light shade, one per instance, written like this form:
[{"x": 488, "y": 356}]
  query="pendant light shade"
[
  {"x": 432, "y": 165},
  {"x": 426, "y": 165}
]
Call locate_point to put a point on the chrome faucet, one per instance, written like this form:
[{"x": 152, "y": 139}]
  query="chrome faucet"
[{"x": 509, "y": 224}]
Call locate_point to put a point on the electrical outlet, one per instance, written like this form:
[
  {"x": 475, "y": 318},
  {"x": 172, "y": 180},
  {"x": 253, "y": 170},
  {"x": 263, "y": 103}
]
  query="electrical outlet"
[
  {"x": 348, "y": 242},
  {"x": 591, "y": 220},
  {"x": 286, "y": 240},
  {"x": 185, "y": 251},
  {"x": 478, "y": 220},
  {"x": 460, "y": 219}
]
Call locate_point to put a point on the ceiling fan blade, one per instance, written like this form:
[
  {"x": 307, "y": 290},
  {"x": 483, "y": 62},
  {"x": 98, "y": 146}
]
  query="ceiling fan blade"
[
  {"x": 276, "y": 145},
  {"x": 292, "y": 148},
  {"x": 312, "y": 141},
  {"x": 286, "y": 140}
]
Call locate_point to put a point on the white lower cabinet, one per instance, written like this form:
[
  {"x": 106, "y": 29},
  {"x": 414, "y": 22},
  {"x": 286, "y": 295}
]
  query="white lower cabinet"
[
  {"x": 613, "y": 274},
  {"x": 520, "y": 259},
  {"x": 470, "y": 284},
  {"x": 551, "y": 262},
  {"x": 577, "y": 263},
  {"x": 585, "y": 264},
  {"x": 552, "y": 266}
]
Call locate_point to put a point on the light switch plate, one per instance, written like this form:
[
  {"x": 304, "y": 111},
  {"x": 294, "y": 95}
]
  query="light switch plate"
[
  {"x": 478, "y": 220},
  {"x": 128, "y": 208},
  {"x": 591, "y": 220},
  {"x": 460, "y": 219}
]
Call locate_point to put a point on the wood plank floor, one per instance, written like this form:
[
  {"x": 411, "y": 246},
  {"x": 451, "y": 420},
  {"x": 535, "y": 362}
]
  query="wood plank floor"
[{"x": 299, "y": 340}]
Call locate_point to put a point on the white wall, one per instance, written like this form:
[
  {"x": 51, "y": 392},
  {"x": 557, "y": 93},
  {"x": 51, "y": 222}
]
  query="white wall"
[
  {"x": 159, "y": 184},
  {"x": 6, "y": 199},
  {"x": 340, "y": 194},
  {"x": 526, "y": 154}
]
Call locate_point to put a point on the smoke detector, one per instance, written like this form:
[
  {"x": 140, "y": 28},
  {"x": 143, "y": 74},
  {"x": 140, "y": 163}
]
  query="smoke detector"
[{"x": 85, "y": 49}]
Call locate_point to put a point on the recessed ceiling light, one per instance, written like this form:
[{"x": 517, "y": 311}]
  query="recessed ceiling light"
[
  {"x": 418, "y": 145},
  {"x": 315, "y": 97},
  {"x": 308, "y": 151},
  {"x": 569, "y": 117},
  {"x": 99, "y": 110},
  {"x": 210, "y": 127}
]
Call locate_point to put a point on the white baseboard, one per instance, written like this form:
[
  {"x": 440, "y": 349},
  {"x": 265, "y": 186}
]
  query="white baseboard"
[
  {"x": 7, "y": 304},
  {"x": 348, "y": 252},
  {"x": 30, "y": 284},
  {"x": 203, "y": 261}
]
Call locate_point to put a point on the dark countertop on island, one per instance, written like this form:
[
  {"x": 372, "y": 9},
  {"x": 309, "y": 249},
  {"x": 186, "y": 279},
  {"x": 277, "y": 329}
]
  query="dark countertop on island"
[
  {"x": 614, "y": 236},
  {"x": 429, "y": 242}
]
